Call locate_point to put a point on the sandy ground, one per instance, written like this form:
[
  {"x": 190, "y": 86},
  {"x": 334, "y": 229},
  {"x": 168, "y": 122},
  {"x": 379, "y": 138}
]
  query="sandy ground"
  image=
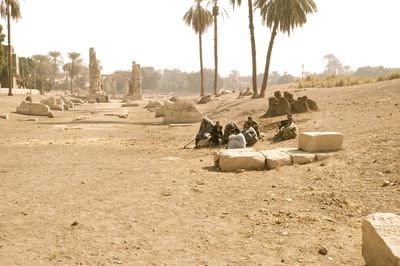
[{"x": 139, "y": 198}]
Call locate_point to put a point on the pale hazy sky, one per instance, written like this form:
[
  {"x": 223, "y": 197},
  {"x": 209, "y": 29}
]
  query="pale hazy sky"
[{"x": 152, "y": 32}]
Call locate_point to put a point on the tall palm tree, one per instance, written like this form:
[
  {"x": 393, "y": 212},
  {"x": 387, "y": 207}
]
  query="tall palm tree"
[
  {"x": 10, "y": 9},
  {"x": 200, "y": 19},
  {"x": 56, "y": 58},
  {"x": 253, "y": 43},
  {"x": 215, "y": 13},
  {"x": 43, "y": 70},
  {"x": 73, "y": 56},
  {"x": 284, "y": 15}
]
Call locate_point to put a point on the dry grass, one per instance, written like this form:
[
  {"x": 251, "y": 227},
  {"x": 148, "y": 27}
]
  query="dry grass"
[{"x": 316, "y": 81}]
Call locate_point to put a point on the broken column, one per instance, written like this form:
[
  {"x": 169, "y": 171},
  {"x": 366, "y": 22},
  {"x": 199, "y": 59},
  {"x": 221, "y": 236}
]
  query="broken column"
[
  {"x": 135, "y": 84},
  {"x": 96, "y": 93}
]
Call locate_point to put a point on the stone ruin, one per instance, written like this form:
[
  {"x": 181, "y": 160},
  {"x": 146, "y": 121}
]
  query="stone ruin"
[
  {"x": 61, "y": 104},
  {"x": 28, "y": 107},
  {"x": 205, "y": 99},
  {"x": 279, "y": 105},
  {"x": 96, "y": 93},
  {"x": 312, "y": 146},
  {"x": 135, "y": 84},
  {"x": 381, "y": 239},
  {"x": 181, "y": 111},
  {"x": 36, "y": 109}
]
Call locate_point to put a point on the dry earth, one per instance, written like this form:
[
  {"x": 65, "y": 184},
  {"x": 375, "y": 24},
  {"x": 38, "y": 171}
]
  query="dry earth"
[{"x": 139, "y": 198}]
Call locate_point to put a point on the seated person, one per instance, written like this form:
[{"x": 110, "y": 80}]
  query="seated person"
[
  {"x": 236, "y": 140},
  {"x": 216, "y": 135},
  {"x": 229, "y": 129},
  {"x": 252, "y": 123},
  {"x": 206, "y": 126},
  {"x": 251, "y": 136},
  {"x": 287, "y": 129}
]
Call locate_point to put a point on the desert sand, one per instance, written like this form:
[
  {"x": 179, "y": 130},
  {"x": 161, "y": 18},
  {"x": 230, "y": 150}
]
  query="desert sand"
[{"x": 84, "y": 188}]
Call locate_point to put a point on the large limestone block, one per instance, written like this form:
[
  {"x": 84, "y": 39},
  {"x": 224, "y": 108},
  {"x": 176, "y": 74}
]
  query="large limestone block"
[
  {"x": 276, "y": 158},
  {"x": 28, "y": 108},
  {"x": 181, "y": 112},
  {"x": 320, "y": 141},
  {"x": 299, "y": 156},
  {"x": 381, "y": 239},
  {"x": 233, "y": 159}
]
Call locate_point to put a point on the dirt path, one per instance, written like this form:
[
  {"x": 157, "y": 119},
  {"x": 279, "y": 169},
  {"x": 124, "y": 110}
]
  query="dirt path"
[{"x": 140, "y": 199}]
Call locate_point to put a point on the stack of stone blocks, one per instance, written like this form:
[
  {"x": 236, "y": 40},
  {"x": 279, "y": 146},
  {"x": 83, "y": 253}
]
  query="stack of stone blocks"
[{"x": 312, "y": 146}]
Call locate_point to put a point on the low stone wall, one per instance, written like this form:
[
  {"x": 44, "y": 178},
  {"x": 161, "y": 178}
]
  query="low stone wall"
[{"x": 248, "y": 159}]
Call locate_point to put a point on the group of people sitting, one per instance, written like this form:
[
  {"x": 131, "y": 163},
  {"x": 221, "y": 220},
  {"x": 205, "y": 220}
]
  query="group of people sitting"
[{"x": 211, "y": 134}]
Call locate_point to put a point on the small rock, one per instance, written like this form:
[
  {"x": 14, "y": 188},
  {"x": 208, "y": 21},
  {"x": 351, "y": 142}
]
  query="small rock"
[
  {"x": 388, "y": 172},
  {"x": 240, "y": 171},
  {"x": 4, "y": 116},
  {"x": 50, "y": 115},
  {"x": 32, "y": 119},
  {"x": 75, "y": 223},
  {"x": 386, "y": 183},
  {"x": 123, "y": 116},
  {"x": 166, "y": 193},
  {"x": 323, "y": 251}
]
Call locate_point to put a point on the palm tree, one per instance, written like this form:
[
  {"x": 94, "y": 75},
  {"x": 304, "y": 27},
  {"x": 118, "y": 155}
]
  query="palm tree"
[
  {"x": 253, "y": 43},
  {"x": 284, "y": 15},
  {"x": 199, "y": 19},
  {"x": 43, "y": 69},
  {"x": 56, "y": 57},
  {"x": 73, "y": 56},
  {"x": 215, "y": 13},
  {"x": 10, "y": 9}
]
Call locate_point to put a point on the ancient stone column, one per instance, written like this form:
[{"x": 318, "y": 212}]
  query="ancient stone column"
[
  {"x": 94, "y": 73},
  {"x": 96, "y": 93},
  {"x": 135, "y": 90}
]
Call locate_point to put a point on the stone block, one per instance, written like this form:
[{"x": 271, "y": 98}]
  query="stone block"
[
  {"x": 322, "y": 156},
  {"x": 320, "y": 141},
  {"x": 181, "y": 112},
  {"x": 232, "y": 160},
  {"x": 130, "y": 105},
  {"x": 28, "y": 108},
  {"x": 4, "y": 116},
  {"x": 276, "y": 158},
  {"x": 381, "y": 239},
  {"x": 299, "y": 156}
]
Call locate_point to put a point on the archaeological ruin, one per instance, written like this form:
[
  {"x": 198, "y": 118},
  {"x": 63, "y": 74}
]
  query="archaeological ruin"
[
  {"x": 135, "y": 83},
  {"x": 96, "y": 92}
]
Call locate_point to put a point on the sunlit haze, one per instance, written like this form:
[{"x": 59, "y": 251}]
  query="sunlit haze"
[{"x": 152, "y": 32}]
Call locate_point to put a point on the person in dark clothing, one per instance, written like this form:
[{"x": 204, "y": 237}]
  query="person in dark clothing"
[{"x": 216, "y": 134}]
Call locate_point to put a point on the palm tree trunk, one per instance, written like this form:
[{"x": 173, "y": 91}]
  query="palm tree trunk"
[
  {"x": 72, "y": 74},
  {"x": 215, "y": 14},
  {"x": 253, "y": 49},
  {"x": 267, "y": 63},
  {"x": 201, "y": 67},
  {"x": 10, "y": 74}
]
